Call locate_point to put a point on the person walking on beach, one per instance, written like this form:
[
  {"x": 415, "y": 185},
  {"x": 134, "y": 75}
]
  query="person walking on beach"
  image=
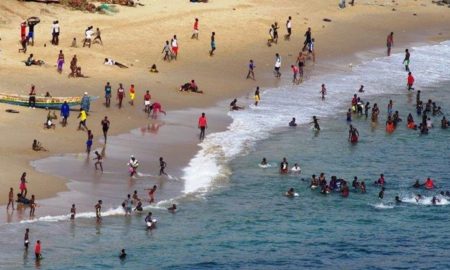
[
  {"x": 105, "y": 127},
  {"x": 175, "y": 47},
  {"x": 10, "y": 199},
  {"x": 26, "y": 238},
  {"x": 202, "y": 125},
  {"x": 151, "y": 193},
  {"x": 98, "y": 210},
  {"x": 162, "y": 166},
  {"x": 32, "y": 205},
  {"x": 277, "y": 65},
  {"x": 257, "y": 96},
  {"x": 23, "y": 185},
  {"x": 89, "y": 142},
  {"x": 289, "y": 28},
  {"x": 73, "y": 66},
  {"x": 32, "y": 97},
  {"x": 120, "y": 95},
  {"x": 98, "y": 162},
  {"x": 83, "y": 117},
  {"x": 323, "y": 91},
  {"x": 195, "y": 31},
  {"x": 37, "y": 250},
  {"x": 108, "y": 92},
  {"x": 213, "y": 43},
  {"x": 166, "y": 51},
  {"x": 406, "y": 60},
  {"x": 132, "y": 93},
  {"x": 389, "y": 43},
  {"x": 60, "y": 61},
  {"x": 65, "y": 112},
  {"x": 55, "y": 33},
  {"x": 410, "y": 81},
  {"x": 307, "y": 38},
  {"x": 251, "y": 68},
  {"x": 73, "y": 212},
  {"x": 295, "y": 71}
]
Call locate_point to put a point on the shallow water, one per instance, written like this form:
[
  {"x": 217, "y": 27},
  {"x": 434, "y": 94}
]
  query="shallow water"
[{"x": 244, "y": 221}]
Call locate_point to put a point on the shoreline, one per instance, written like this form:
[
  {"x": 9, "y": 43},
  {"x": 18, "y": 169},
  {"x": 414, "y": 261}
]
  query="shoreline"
[{"x": 243, "y": 89}]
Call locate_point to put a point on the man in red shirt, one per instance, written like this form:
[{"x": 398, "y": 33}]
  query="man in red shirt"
[
  {"x": 410, "y": 81},
  {"x": 195, "y": 33},
  {"x": 37, "y": 250},
  {"x": 202, "y": 125},
  {"x": 23, "y": 30}
]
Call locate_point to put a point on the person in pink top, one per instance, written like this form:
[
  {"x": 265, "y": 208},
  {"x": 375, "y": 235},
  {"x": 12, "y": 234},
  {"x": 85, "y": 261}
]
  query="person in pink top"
[
  {"x": 295, "y": 71},
  {"x": 202, "y": 125}
]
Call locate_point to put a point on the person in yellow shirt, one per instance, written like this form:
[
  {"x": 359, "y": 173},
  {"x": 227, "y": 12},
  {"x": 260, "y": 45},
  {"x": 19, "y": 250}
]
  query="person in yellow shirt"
[
  {"x": 132, "y": 94},
  {"x": 83, "y": 118}
]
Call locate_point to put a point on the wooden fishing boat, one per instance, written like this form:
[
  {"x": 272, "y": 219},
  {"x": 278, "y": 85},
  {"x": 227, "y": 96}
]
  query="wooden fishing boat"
[{"x": 41, "y": 102}]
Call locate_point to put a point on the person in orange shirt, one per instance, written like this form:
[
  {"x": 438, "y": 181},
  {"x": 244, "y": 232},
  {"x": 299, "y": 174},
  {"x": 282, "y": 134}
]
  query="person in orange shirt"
[
  {"x": 132, "y": 94},
  {"x": 410, "y": 81},
  {"x": 202, "y": 125}
]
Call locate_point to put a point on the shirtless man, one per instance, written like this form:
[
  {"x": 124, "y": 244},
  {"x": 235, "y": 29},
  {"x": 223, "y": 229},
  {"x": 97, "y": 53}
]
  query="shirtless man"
[
  {"x": 98, "y": 210},
  {"x": 10, "y": 199},
  {"x": 98, "y": 162}
]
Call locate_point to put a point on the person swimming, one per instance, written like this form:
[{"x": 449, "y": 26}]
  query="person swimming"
[
  {"x": 397, "y": 199},
  {"x": 435, "y": 200},
  {"x": 416, "y": 184},
  {"x": 292, "y": 123},
  {"x": 122, "y": 254},
  {"x": 429, "y": 184},
  {"x": 284, "y": 166},
  {"x": 314, "y": 182},
  {"x": 290, "y": 193},
  {"x": 381, "y": 193},
  {"x": 355, "y": 183},
  {"x": 345, "y": 190},
  {"x": 150, "y": 221},
  {"x": 418, "y": 197},
  {"x": 172, "y": 209},
  {"x": 263, "y": 162},
  {"x": 296, "y": 168}
]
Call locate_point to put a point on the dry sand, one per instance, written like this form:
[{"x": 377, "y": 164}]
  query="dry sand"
[{"x": 135, "y": 37}]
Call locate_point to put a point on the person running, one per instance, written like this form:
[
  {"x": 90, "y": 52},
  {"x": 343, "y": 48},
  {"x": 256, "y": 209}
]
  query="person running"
[
  {"x": 410, "y": 81},
  {"x": 83, "y": 117},
  {"x": 120, "y": 94},
  {"x": 353, "y": 134},
  {"x": 257, "y": 96},
  {"x": 389, "y": 43},
  {"x": 289, "y": 28},
  {"x": 98, "y": 210},
  {"x": 60, "y": 62},
  {"x": 108, "y": 91},
  {"x": 132, "y": 93},
  {"x": 105, "y": 127},
  {"x": 251, "y": 70},
  {"x": 73, "y": 212},
  {"x": 98, "y": 162},
  {"x": 37, "y": 250},
  {"x": 147, "y": 102},
  {"x": 195, "y": 31},
  {"x": 26, "y": 238},
  {"x": 202, "y": 125},
  {"x": 277, "y": 65},
  {"x": 323, "y": 91},
  {"x": 10, "y": 199},
  {"x": 406, "y": 60},
  {"x": 23, "y": 185},
  {"x": 213, "y": 43},
  {"x": 162, "y": 166},
  {"x": 151, "y": 193}
]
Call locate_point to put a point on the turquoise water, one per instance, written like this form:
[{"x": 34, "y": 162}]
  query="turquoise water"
[{"x": 248, "y": 224}]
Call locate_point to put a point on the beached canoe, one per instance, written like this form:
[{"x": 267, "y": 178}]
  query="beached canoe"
[{"x": 41, "y": 102}]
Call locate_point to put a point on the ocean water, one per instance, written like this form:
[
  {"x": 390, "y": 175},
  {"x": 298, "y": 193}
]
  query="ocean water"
[{"x": 233, "y": 213}]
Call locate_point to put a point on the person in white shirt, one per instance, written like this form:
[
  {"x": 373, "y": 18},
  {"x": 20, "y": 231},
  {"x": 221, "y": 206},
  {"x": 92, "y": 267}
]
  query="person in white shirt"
[
  {"x": 88, "y": 36},
  {"x": 277, "y": 65},
  {"x": 289, "y": 28},
  {"x": 55, "y": 33},
  {"x": 175, "y": 47}
]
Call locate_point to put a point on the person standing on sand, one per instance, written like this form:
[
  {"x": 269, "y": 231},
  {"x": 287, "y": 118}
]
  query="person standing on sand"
[
  {"x": 147, "y": 102},
  {"x": 98, "y": 162},
  {"x": 98, "y": 36},
  {"x": 195, "y": 32},
  {"x": 10, "y": 199},
  {"x": 289, "y": 27},
  {"x": 98, "y": 210},
  {"x": 65, "y": 112},
  {"x": 83, "y": 117},
  {"x": 120, "y": 94},
  {"x": 323, "y": 91},
  {"x": 406, "y": 60},
  {"x": 23, "y": 185},
  {"x": 175, "y": 47},
  {"x": 60, "y": 61},
  {"x": 257, "y": 96},
  {"x": 277, "y": 65},
  {"x": 105, "y": 127},
  {"x": 132, "y": 93},
  {"x": 88, "y": 36},
  {"x": 32, "y": 97},
  {"x": 55, "y": 33},
  {"x": 73, "y": 66},
  {"x": 213, "y": 43},
  {"x": 108, "y": 92},
  {"x": 166, "y": 51},
  {"x": 26, "y": 238},
  {"x": 251, "y": 68},
  {"x": 202, "y": 125},
  {"x": 31, "y": 25},
  {"x": 162, "y": 166},
  {"x": 389, "y": 43}
]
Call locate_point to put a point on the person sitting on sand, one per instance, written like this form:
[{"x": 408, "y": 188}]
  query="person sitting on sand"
[
  {"x": 49, "y": 122},
  {"x": 192, "y": 86},
  {"x": 153, "y": 69},
  {"x": 234, "y": 106},
  {"x": 78, "y": 73},
  {"x": 37, "y": 146},
  {"x": 111, "y": 62},
  {"x": 31, "y": 61}
]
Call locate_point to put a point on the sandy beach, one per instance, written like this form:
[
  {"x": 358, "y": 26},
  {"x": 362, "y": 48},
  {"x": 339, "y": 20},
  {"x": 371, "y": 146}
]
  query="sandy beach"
[{"x": 135, "y": 37}]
